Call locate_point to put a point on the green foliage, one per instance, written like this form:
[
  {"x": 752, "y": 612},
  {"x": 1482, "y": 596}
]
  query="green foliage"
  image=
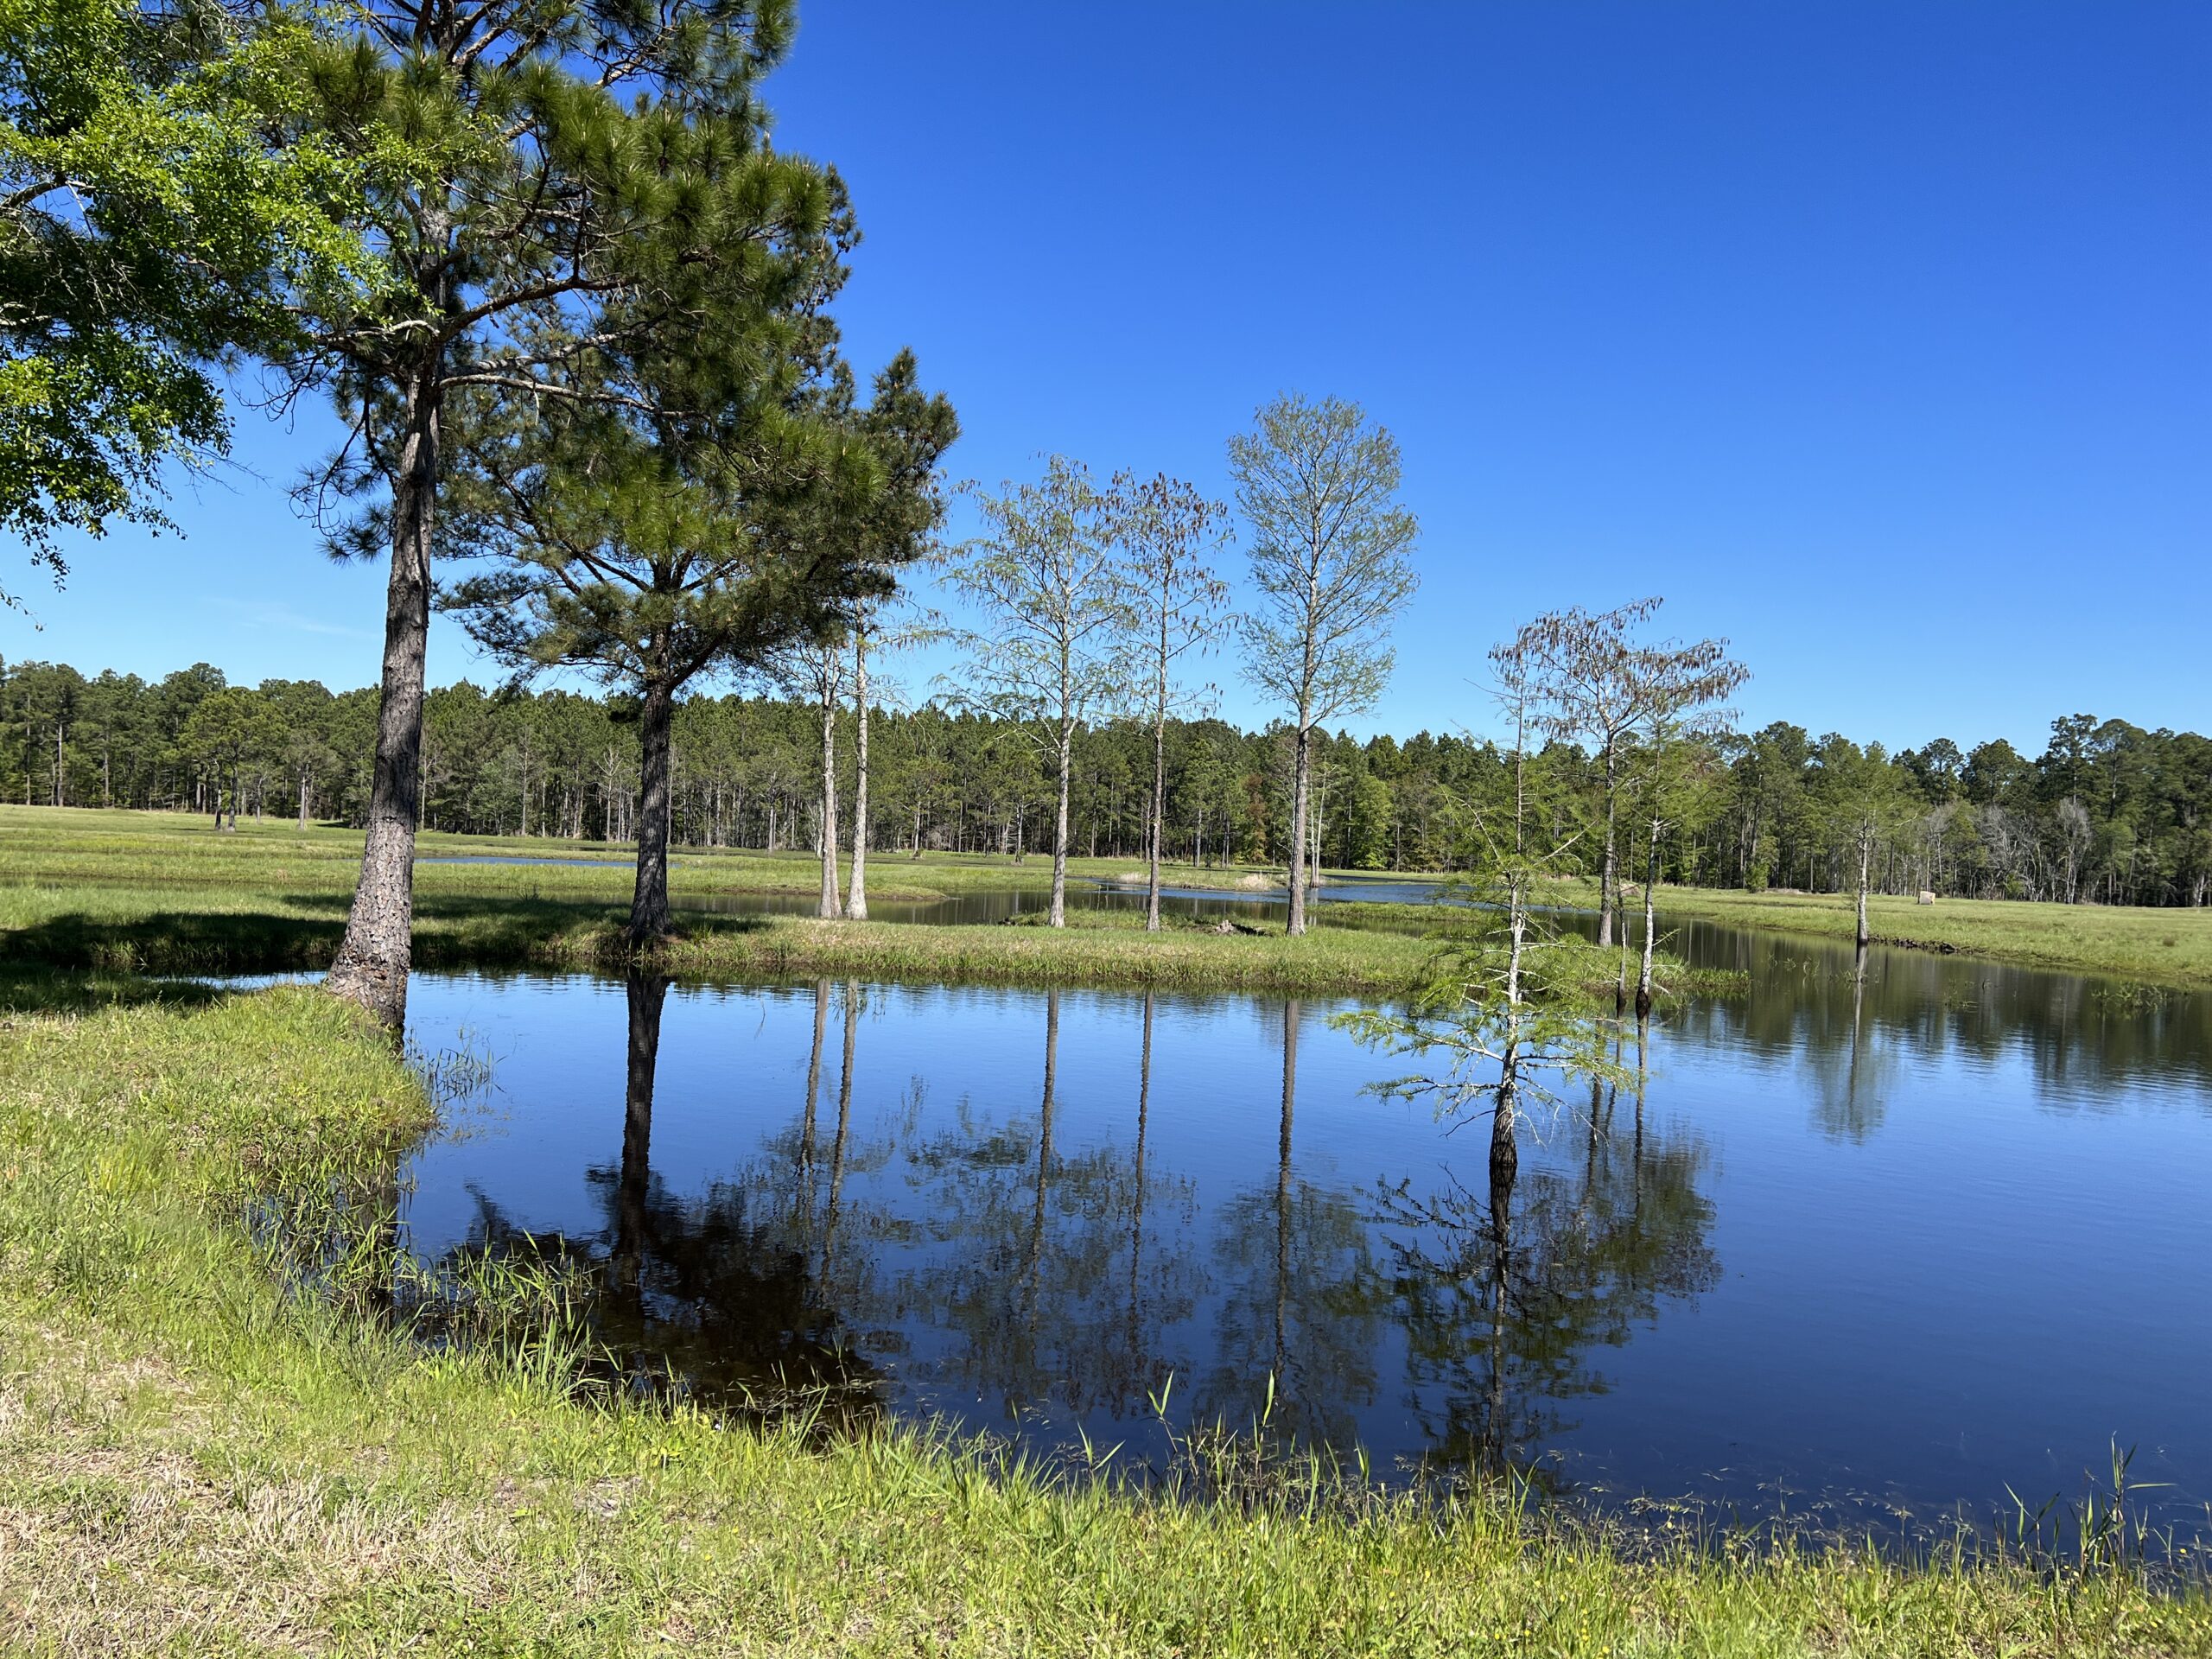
[
  {"x": 150, "y": 228},
  {"x": 1330, "y": 553}
]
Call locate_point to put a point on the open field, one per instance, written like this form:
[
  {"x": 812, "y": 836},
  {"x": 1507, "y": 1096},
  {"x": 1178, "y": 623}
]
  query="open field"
[
  {"x": 163, "y": 891},
  {"x": 2169, "y": 946},
  {"x": 68, "y": 845},
  {"x": 192, "y": 1460},
  {"x": 148, "y": 893},
  {"x": 137, "y": 893}
]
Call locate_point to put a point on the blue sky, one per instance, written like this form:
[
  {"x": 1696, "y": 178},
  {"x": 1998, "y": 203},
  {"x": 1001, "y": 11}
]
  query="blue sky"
[{"x": 1875, "y": 337}]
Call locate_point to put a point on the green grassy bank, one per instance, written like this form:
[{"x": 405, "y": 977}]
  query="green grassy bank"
[
  {"x": 162, "y": 891},
  {"x": 142, "y": 893},
  {"x": 192, "y": 1461},
  {"x": 2167, "y": 946}
]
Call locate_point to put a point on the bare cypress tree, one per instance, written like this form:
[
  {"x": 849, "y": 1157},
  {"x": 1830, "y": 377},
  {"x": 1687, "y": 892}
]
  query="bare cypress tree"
[
  {"x": 1317, "y": 483},
  {"x": 814, "y": 669},
  {"x": 1681, "y": 687},
  {"x": 1600, "y": 683},
  {"x": 1053, "y": 607},
  {"x": 566, "y": 177},
  {"x": 1175, "y": 609},
  {"x": 1503, "y": 1004},
  {"x": 1593, "y": 691}
]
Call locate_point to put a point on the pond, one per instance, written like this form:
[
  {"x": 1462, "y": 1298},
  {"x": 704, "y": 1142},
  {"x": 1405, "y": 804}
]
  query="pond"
[
  {"x": 992, "y": 906},
  {"x": 1869, "y": 1255}
]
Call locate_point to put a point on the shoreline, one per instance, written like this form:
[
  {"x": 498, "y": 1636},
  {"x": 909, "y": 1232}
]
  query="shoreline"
[{"x": 275, "y": 1466}]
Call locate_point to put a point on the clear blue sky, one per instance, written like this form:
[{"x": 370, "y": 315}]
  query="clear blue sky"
[{"x": 1876, "y": 337}]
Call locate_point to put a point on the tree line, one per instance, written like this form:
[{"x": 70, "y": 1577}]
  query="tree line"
[
  {"x": 576, "y": 315},
  {"x": 576, "y": 312},
  {"x": 2108, "y": 813}
]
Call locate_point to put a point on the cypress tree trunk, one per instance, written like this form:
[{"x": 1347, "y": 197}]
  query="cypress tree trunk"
[
  {"x": 1159, "y": 825},
  {"x": 371, "y": 967},
  {"x": 1650, "y": 904},
  {"x": 1609, "y": 877},
  {"x": 1865, "y": 858},
  {"x": 1059, "y": 913},
  {"x": 649, "y": 898},
  {"x": 1301, "y": 781},
  {"x": 856, "y": 897},
  {"x": 829, "y": 909}
]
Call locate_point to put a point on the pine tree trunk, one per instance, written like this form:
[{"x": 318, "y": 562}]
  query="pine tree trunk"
[
  {"x": 646, "y": 994},
  {"x": 1300, "y": 766},
  {"x": 649, "y": 898},
  {"x": 829, "y": 909},
  {"x": 303, "y": 800},
  {"x": 371, "y": 967},
  {"x": 857, "y": 896}
]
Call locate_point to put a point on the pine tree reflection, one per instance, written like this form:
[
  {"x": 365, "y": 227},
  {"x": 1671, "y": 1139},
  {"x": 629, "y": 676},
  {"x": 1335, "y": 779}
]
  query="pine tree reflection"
[{"x": 721, "y": 1296}]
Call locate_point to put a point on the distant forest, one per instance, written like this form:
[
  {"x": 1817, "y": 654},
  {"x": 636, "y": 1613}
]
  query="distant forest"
[{"x": 2108, "y": 813}]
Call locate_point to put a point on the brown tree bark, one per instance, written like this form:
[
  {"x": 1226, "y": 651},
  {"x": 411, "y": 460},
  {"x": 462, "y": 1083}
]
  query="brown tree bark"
[
  {"x": 373, "y": 961},
  {"x": 649, "y": 898}
]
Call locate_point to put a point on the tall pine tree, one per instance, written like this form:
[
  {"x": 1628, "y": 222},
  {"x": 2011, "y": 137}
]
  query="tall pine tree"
[{"x": 571, "y": 181}]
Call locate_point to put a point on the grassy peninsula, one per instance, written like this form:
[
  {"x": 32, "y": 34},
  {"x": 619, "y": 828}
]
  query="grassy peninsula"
[
  {"x": 160, "y": 892},
  {"x": 192, "y": 1460},
  {"x": 152, "y": 893},
  {"x": 2166, "y": 945}
]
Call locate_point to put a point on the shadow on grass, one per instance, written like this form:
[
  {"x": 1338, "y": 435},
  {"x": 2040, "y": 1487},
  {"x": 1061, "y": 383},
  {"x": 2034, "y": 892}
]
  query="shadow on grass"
[
  {"x": 31, "y": 989},
  {"x": 451, "y": 931}
]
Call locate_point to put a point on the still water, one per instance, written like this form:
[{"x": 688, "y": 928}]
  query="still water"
[
  {"x": 1204, "y": 903},
  {"x": 1851, "y": 1253}
]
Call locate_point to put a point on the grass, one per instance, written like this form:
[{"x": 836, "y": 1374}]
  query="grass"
[
  {"x": 140, "y": 892},
  {"x": 192, "y": 1460},
  {"x": 2164, "y": 946},
  {"x": 121, "y": 894},
  {"x": 73, "y": 845}
]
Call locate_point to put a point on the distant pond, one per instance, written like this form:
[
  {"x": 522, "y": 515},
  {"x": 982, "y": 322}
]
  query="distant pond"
[
  {"x": 1206, "y": 904},
  {"x": 1853, "y": 1253}
]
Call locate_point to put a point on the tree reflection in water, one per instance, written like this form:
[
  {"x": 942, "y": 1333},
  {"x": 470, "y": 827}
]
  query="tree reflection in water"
[
  {"x": 1023, "y": 1278},
  {"x": 1505, "y": 1294},
  {"x": 955, "y": 1257},
  {"x": 724, "y": 1296},
  {"x": 1302, "y": 1314}
]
